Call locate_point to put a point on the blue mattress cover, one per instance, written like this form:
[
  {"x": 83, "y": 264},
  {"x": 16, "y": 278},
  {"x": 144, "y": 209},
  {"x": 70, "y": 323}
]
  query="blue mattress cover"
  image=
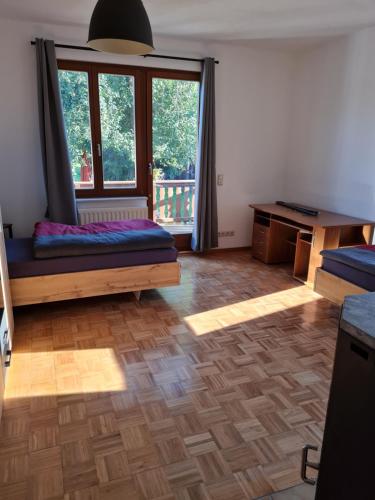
[
  {"x": 355, "y": 257},
  {"x": 21, "y": 263}
]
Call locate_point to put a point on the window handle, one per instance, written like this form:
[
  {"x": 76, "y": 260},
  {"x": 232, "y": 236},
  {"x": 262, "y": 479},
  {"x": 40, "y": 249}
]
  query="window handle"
[
  {"x": 99, "y": 150},
  {"x": 8, "y": 358}
]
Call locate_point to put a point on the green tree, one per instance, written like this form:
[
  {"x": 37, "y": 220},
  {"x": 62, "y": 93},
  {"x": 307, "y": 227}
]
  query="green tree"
[
  {"x": 118, "y": 126},
  {"x": 75, "y": 98},
  {"x": 175, "y": 125}
]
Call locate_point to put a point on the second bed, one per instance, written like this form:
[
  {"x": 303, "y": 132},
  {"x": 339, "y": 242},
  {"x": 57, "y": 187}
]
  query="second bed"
[{"x": 346, "y": 271}]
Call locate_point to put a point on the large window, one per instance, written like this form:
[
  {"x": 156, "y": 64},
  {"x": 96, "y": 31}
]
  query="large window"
[
  {"x": 105, "y": 127},
  {"x": 119, "y": 121}
]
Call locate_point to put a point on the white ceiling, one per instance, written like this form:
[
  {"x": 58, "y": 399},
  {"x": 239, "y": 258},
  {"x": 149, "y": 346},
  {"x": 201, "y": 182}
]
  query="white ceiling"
[{"x": 226, "y": 20}]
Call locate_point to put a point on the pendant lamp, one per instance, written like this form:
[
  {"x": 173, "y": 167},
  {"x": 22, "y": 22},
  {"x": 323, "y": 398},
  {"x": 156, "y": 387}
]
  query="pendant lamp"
[{"x": 120, "y": 27}]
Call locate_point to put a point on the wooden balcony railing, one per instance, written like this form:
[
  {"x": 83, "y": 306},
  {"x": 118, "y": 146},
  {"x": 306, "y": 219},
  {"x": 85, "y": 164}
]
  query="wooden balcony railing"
[{"x": 174, "y": 201}]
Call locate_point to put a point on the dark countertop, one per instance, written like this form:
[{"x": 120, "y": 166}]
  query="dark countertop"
[{"x": 358, "y": 318}]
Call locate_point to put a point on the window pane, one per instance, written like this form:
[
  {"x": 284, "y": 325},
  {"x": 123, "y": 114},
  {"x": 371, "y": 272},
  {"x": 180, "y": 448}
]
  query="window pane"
[
  {"x": 118, "y": 131},
  {"x": 175, "y": 138},
  {"x": 75, "y": 98}
]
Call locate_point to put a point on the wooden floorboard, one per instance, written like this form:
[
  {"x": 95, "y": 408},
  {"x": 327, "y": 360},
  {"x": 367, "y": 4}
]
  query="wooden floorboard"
[{"x": 204, "y": 391}]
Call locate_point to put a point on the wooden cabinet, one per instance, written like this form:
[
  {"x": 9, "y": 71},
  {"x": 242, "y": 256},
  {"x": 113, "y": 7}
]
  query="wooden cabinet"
[
  {"x": 260, "y": 237},
  {"x": 282, "y": 235},
  {"x": 6, "y": 317},
  {"x": 346, "y": 469}
]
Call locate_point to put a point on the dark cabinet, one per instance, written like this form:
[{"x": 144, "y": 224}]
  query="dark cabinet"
[{"x": 347, "y": 466}]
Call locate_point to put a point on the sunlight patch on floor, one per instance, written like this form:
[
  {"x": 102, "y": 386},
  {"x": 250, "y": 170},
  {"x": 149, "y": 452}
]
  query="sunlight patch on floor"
[
  {"x": 248, "y": 310},
  {"x": 80, "y": 371}
]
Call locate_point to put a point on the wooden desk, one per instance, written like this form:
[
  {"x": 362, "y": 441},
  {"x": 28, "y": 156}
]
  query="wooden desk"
[{"x": 284, "y": 235}]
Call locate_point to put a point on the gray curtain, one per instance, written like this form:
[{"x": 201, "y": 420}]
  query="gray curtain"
[
  {"x": 57, "y": 172},
  {"x": 205, "y": 234}
]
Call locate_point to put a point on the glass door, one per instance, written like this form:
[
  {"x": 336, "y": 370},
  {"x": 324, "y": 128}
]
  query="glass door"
[{"x": 174, "y": 104}]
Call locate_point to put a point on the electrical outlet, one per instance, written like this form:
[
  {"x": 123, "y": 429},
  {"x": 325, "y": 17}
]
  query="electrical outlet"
[
  {"x": 220, "y": 180},
  {"x": 226, "y": 234}
]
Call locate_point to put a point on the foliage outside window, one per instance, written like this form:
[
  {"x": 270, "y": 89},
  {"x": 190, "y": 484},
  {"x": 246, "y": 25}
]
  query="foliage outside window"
[{"x": 175, "y": 128}]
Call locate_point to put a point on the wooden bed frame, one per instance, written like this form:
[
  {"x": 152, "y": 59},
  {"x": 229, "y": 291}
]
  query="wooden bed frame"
[
  {"x": 55, "y": 287},
  {"x": 334, "y": 288}
]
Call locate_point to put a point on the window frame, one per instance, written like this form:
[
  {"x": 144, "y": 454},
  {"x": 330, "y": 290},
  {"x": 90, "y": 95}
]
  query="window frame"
[{"x": 143, "y": 121}]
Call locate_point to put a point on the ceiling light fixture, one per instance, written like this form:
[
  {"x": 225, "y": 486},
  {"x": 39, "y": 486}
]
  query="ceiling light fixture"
[{"x": 121, "y": 27}]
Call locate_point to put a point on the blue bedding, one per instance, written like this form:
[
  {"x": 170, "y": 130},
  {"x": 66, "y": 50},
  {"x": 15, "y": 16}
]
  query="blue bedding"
[
  {"x": 361, "y": 258},
  {"x": 52, "y": 240}
]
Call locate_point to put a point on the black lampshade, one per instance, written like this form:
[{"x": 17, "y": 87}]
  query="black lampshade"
[{"x": 122, "y": 27}]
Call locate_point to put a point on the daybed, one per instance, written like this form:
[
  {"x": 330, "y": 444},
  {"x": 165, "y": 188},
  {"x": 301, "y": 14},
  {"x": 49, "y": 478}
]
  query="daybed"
[
  {"x": 99, "y": 270},
  {"x": 346, "y": 271}
]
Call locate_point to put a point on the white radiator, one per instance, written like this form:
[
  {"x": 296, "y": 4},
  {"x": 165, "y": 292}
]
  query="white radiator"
[{"x": 88, "y": 215}]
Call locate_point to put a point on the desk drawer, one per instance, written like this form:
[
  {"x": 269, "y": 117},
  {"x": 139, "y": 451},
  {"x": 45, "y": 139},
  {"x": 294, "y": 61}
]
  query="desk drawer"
[
  {"x": 260, "y": 241},
  {"x": 259, "y": 253},
  {"x": 260, "y": 231}
]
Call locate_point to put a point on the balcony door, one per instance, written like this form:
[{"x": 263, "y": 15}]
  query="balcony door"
[{"x": 173, "y": 104}]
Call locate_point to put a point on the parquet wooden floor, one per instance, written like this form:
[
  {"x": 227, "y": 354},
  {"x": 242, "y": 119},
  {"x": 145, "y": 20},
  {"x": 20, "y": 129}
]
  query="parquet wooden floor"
[{"x": 205, "y": 391}]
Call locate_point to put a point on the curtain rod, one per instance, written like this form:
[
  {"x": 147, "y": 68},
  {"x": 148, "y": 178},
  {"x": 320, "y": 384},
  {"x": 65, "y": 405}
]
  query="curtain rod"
[
  {"x": 177, "y": 58},
  {"x": 78, "y": 47},
  {"x": 75, "y": 47}
]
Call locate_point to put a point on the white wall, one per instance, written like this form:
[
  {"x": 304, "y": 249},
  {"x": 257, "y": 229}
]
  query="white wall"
[
  {"x": 332, "y": 144},
  {"x": 253, "y": 102},
  {"x": 254, "y": 91}
]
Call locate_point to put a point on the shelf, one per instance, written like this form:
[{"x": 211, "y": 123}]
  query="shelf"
[
  {"x": 354, "y": 236},
  {"x": 301, "y": 277},
  {"x": 305, "y": 242},
  {"x": 262, "y": 220},
  {"x": 286, "y": 224},
  {"x": 352, "y": 243}
]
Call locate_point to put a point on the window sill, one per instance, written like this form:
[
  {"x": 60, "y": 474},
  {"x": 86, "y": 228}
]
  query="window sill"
[
  {"x": 178, "y": 229},
  {"x": 99, "y": 200},
  {"x": 128, "y": 201}
]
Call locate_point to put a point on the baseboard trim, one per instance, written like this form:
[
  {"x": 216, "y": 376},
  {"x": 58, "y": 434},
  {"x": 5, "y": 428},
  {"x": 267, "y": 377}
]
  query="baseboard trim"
[{"x": 216, "y": 250}]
